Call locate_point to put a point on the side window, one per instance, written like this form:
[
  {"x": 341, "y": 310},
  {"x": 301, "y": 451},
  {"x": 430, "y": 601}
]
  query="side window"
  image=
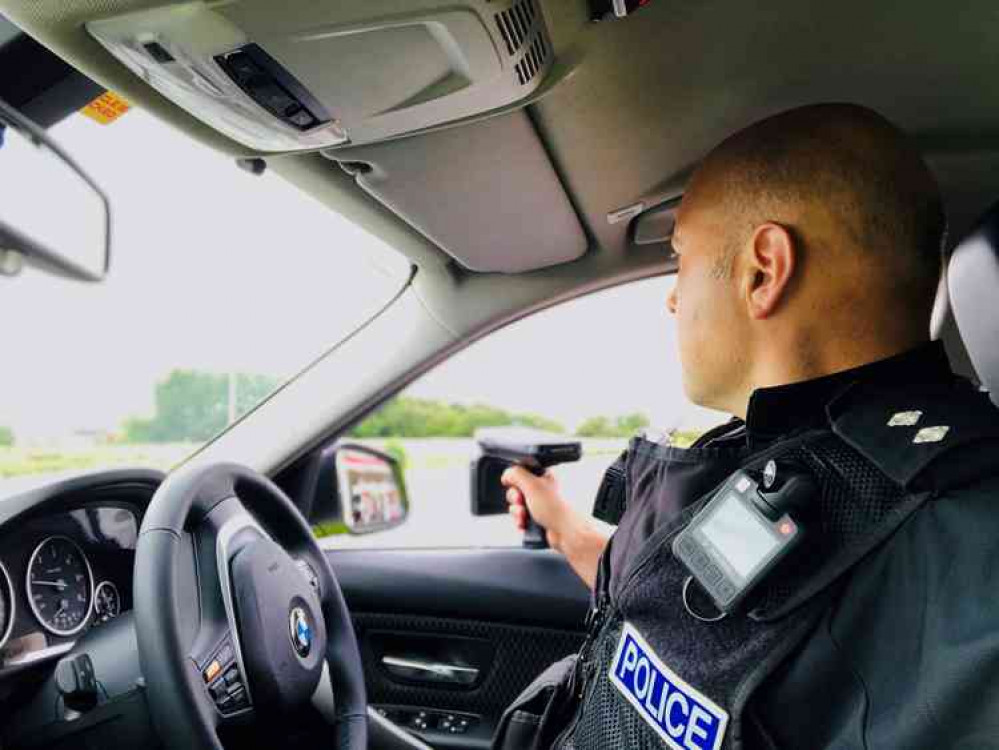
[{"x": 599, "y": 368}]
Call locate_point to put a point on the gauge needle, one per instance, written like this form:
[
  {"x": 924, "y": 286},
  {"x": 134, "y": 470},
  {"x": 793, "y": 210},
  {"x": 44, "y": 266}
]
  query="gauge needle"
[
  {"x": 62, "y": 607},
  {"x": 58, "y": 584}
]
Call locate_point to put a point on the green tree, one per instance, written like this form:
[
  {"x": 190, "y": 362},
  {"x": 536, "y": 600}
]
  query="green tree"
[
  {"x": 406, "y": 417},
  {"x": 621, "y": 427},
  {"x": 6, "y": 437},
  {"x": 194, "y": 406},
  {"x": 251, "y": 389},
  {"x": 631, "y": 424},
  {"x": 538, "y": 422},
  {"x": 595, "y": 427},
  {"x": 396, "y": 449}
]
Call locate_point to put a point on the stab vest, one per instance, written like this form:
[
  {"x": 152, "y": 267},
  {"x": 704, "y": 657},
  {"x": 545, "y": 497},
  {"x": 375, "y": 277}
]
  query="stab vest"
[{"x": 651, "y": 674}]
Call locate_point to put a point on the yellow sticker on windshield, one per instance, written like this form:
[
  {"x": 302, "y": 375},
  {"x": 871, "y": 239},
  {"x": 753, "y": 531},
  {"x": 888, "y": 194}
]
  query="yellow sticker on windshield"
[{"x": 106, "y": 108}]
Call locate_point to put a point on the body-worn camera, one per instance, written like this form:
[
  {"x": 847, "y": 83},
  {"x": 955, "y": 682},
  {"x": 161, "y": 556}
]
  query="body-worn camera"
[{"x": 743, "y": 532}]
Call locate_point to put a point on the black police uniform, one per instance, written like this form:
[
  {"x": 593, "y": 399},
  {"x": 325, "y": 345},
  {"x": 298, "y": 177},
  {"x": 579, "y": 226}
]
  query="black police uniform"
[{"x": 879, "y": 630}]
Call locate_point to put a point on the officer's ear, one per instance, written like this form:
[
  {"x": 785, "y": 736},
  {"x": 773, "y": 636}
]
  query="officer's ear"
[{"x": 771, "y": 256}]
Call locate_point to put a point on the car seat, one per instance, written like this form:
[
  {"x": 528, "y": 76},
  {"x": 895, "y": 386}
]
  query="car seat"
[{"x": 972, "y": 286}]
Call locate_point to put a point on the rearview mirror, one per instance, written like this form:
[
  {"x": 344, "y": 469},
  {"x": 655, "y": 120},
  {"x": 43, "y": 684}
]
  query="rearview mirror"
[
  {"x": 359, "y": 490},
  {"x": 55, "y": 218}
]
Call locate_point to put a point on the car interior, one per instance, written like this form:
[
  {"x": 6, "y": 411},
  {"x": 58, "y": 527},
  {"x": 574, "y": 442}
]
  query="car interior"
[{"x": 520, "y": 154}]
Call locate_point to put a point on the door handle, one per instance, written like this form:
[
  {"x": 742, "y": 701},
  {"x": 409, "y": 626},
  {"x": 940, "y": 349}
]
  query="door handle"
[{"x": 415, "y": 669}]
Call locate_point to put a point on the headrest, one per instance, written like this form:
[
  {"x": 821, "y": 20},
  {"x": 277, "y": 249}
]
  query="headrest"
[{"x": 973, "y": 284}]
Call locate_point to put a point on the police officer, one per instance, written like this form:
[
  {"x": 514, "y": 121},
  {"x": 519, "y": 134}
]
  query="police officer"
[{"x": 810, "y": 250}]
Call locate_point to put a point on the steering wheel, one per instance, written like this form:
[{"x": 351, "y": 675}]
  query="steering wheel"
[{"x": 237, "y": 610}]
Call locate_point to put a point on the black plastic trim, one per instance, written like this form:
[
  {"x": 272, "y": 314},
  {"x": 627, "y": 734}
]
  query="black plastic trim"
[
  {"x": 45, "y": 88},
  {"x": 517, "y": 586},
  {"x": 279, "y": 76},
  {"x": 80, "y": 489}
]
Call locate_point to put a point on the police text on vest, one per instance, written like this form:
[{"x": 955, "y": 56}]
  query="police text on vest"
[{"x": 683, "y": 717}]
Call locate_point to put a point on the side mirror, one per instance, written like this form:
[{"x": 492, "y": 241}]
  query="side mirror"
[
  {"x": 358, "y": 490},
  {"x": 55, "y": 218}
]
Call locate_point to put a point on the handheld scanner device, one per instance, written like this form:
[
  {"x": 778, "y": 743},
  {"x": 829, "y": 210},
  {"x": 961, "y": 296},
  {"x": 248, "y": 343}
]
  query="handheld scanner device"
[
  {"x": 534, "y": 451},
  {"x": 744, "y": 532}
]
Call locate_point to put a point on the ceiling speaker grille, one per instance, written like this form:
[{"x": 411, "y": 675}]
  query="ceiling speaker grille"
[
  {"x": 517, "y": 24},
  {"x": 533, "y": 61}
]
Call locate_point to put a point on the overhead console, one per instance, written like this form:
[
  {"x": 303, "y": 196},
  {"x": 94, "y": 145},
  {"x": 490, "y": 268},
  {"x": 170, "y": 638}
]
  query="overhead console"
[
  {"x": 351, "y": 78},
  {"x": 301, "y": 75}
]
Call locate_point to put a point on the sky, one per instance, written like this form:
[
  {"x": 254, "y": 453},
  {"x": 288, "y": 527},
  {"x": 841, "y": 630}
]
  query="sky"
[
  {"x": 610, "y": 353},
  {"x": 217, "y": 269}
]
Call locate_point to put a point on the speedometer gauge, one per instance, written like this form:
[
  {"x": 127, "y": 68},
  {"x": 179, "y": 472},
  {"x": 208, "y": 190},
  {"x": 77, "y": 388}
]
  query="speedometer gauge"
[
  {"x": 60, "y": 585},
  {"x": 6, "y": 606}
]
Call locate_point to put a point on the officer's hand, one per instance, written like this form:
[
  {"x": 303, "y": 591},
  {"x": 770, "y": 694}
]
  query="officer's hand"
[
  {"x": 569, "y": 531},
  {"x": 541, "y": 495}
]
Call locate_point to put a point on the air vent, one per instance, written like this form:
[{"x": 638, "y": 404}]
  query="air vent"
[
  {"x": 533, "y": 61},
  {"x": 516, "y": 24}
]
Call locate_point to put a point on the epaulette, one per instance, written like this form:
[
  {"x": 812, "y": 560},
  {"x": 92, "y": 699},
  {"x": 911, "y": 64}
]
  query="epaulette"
[{"x": 934, "y": 436}]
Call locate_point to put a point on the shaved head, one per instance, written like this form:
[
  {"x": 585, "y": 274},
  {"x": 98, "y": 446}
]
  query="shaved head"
[
  {"x": 808, "y": 243},
  {"x": 851, "y": 164}
]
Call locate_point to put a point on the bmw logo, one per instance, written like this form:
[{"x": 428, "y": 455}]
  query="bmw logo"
[
  {"x": 770, "y": 474},
  {"x": 301, "y": 631}
]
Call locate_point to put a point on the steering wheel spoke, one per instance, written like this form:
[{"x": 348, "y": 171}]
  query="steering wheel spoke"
[{"x": 224, "y": 680}]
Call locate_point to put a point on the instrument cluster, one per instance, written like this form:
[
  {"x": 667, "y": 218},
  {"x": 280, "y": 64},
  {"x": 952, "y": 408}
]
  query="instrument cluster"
[{"x": 62, "y": 574}]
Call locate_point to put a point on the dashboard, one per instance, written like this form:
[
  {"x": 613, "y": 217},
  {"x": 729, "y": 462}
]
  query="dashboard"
[
  {"x": 67, "y": 553},
  {"x": 61, "y": 574}
]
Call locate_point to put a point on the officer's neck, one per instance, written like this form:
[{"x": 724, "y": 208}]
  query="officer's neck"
[{"x": 810, "y": 361}]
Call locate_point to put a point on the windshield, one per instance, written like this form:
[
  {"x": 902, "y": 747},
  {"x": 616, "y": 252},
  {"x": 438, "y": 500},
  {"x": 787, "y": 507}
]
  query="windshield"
[{"x": 223, "y": 284}]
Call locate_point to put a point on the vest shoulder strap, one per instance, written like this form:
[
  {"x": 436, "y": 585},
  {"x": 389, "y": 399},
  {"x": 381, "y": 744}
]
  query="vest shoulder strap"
[{"x": 906, "y": 432}]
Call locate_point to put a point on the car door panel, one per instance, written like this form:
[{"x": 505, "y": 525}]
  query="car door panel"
[
  {"x": 450, "y": 637},
  {"x": 532, "y": 587}
]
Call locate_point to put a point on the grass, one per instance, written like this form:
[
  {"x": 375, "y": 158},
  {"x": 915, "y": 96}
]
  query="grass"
[
  {"x": 18, "y": 461},
  {"x": 21, "y": 461},
  {"x": 685, "y": 439},
  {"x": 333, "y": 528}
]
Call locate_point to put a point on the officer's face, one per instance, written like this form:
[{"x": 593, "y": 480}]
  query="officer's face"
[{"x": 710, "y": 329}]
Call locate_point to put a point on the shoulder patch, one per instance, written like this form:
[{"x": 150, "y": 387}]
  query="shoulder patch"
[
  {"x": 684, "y": 718},
  {"x": 904, "y": 431}
]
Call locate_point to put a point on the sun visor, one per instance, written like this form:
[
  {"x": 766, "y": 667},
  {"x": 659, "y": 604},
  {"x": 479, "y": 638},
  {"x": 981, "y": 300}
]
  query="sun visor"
[
  {"x": 301, "y": 74},
  {"x": 486, "y": 193}
]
